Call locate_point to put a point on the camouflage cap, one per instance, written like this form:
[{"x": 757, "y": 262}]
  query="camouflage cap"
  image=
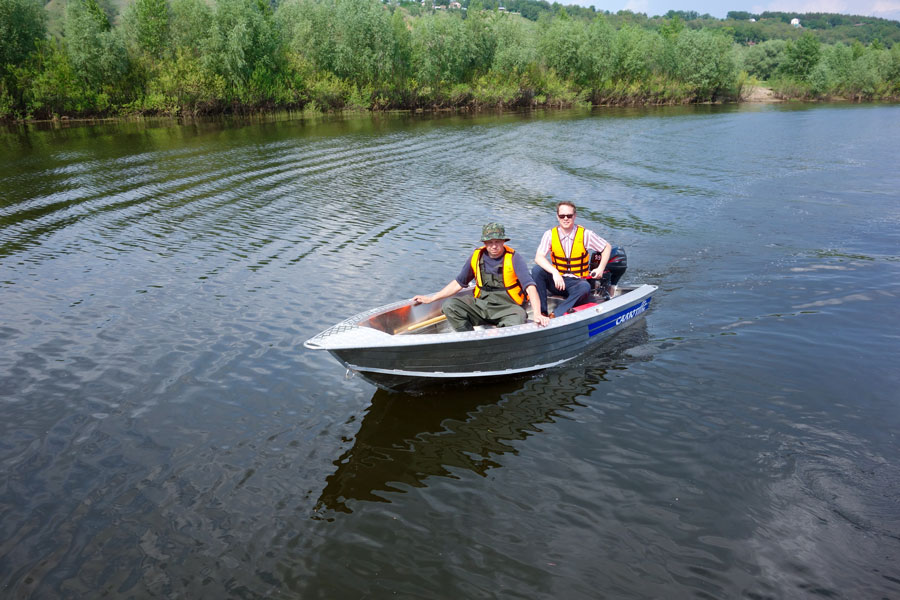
[{"x": 493, "y": 231}]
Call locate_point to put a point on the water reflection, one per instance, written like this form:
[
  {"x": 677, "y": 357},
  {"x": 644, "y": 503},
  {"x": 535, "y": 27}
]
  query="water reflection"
[{"x": 406, "y": 439}]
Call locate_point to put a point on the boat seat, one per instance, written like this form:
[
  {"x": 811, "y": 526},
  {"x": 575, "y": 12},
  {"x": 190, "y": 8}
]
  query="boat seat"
[{"x": 584, "y": 306}]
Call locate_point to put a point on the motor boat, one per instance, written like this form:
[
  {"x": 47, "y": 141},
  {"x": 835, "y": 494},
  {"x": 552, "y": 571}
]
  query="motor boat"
[{"x": 403, "y": 345}]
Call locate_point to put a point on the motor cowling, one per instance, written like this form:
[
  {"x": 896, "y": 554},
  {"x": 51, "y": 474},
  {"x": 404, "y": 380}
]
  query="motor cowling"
[{"x": 615, "y": 266}]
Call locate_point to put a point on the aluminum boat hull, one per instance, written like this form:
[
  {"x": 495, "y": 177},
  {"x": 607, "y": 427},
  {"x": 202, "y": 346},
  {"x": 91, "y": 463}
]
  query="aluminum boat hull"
[{"x": 394, "y": 346}]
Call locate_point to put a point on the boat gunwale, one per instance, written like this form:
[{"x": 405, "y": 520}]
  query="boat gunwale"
[{"x": 374, "y": 338}]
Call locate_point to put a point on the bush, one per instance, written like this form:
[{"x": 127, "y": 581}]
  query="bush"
[
  {"x": 49, "y": 85},
  {"x": 560, "y": 45},
  {"x": 705, "y": 63},
  {"x": 7, "y": 104},
  {"x": 633, "y": 50},
  {"x": 516, "y": 50},
  {"x": 497, "y": 91},
  {"x": 800, "y": 57},
  {"x": 329, "y": 92},
  {"x": 597, "y": 54},
  {"x": 244, "y": 48},
  {"x": 762, "y": 60},
  {"x": 868, "y": 77},
  {"x": 185, "y": 85},
  {"x": 192, "y": 56},
  {"x": 23, "y": 24},
  {"x": 440, "y": 50}
]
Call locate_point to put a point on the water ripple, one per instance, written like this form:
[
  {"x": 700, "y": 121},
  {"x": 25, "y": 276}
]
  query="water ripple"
[{"x": 162, "y": 420}]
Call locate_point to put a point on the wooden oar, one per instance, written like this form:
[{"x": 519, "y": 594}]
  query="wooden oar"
[{"x": 431, "y": 321}]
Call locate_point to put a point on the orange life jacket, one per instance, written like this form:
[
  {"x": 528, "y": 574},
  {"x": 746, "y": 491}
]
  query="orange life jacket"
[
  {"x": 510, "y": 281},
  {"x": 577, "y": 263}
]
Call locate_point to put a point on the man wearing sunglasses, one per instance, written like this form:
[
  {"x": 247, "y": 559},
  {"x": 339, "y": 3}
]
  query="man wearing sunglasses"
[
  {"x": 569, "y": 247},
  {"x": 502, "y": 284}
]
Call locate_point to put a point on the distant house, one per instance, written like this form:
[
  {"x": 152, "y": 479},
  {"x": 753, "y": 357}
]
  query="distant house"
[
  {"x": 455, "y": 5},
  {"x": 795, "y": 22},
  {"x": 753, "y": 20}
]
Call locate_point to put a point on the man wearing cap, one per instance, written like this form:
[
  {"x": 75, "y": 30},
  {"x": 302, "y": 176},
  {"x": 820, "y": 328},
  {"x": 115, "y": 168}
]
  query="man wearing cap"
[
  {"x": 502, "y": 283},
  {"x": 569, "y": 247}
]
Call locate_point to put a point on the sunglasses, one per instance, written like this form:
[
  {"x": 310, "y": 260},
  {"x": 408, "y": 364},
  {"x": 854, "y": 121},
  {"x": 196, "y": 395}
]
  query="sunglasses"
[{"x": 568, "y": 216}]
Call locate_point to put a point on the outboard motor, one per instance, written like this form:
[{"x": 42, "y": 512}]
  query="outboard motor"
[{"x": 615, "y": 268}]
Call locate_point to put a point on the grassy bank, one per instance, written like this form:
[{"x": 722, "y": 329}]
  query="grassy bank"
[{"x": 191, "y": 57}]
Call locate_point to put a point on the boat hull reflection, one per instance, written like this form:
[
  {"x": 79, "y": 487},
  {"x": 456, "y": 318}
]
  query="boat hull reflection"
[{"x": 405, "y": 440}]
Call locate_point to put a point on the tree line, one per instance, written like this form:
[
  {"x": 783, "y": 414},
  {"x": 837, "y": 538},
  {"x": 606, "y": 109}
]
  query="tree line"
[
  {"x": 178, "y": 57},
  {"x": 827, "y": 27},
  {"x": 808, "y": 69},
  {"x": 744, "y": 26}
]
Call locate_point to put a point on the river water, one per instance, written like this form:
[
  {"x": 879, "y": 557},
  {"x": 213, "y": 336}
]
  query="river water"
[{"x": 165, "y": 434}]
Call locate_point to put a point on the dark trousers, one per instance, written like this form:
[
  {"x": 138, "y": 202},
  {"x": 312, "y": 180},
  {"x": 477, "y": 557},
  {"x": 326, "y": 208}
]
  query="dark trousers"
[
  {"x": 576, "y": 290},
  {"x": 463, "y": 313}
]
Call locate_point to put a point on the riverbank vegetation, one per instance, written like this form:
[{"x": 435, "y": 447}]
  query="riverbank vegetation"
[{"x": 175, "y": 57}]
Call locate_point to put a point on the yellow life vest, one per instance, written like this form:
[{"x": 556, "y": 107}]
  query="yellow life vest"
[
  {"x": 510, "y": 281},
  {"x": 578, "y": 263}
]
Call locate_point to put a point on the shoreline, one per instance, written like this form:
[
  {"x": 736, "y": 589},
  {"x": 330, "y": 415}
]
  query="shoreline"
[
  {"x": 760, "y": 95},
  {"x": 755, "y": 94}
]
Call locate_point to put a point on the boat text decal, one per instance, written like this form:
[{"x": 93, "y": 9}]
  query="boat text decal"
[{"x": 618, "y": 319}]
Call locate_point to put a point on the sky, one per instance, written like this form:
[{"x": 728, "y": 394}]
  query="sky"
[{"x": 886, "y": 9}]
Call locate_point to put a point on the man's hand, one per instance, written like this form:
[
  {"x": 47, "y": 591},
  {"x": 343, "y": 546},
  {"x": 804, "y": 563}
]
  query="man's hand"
[
  {"x": 541, "y": 320},
  {"x": 423, "y": 299},
  {"x": 558, "y": 281}
]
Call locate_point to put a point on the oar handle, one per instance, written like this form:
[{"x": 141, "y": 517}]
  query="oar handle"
[{"x": 431, "y": 321}]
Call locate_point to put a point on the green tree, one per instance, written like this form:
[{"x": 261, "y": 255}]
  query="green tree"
[
  {"x": 190, "y": 24},
  {"x": 96, "y": 52},
  {"x": 357, "y": 40},
  {"x": 481, "y": 38},
  {"x": 705, "y": 62},
  {"x": 666, "y": 61},
  {"x": 821, "y": 80},
  {"x": 597, "y": 54},
  {"x": 49, "y": 84},
  {"x": 440, "y": 50},
  {"x": 560, "y": 44},
  {"x": 671, "y": 27},
  {"x": 147, "y": 22},
  {"x": 308, "y": 27},
  {"x": 183, "y": 84},
  {"x": 632, "y": 54},
  {"x": 740, "y": 15},
  {"x": 868, "y": 76},
  {"x": 800, "y": 57},
  {"x": 516, "y": 51},
  {"x": 244, "y": 48},
  {"x": 23, "y": 23},
  {"x": 763, "y": 60},
  {"x": 364, "y": 41},
  {"x": 402, "y": 48},
  {"x": 894, "y": 75},
  {"x": 837, "y": 61}
]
